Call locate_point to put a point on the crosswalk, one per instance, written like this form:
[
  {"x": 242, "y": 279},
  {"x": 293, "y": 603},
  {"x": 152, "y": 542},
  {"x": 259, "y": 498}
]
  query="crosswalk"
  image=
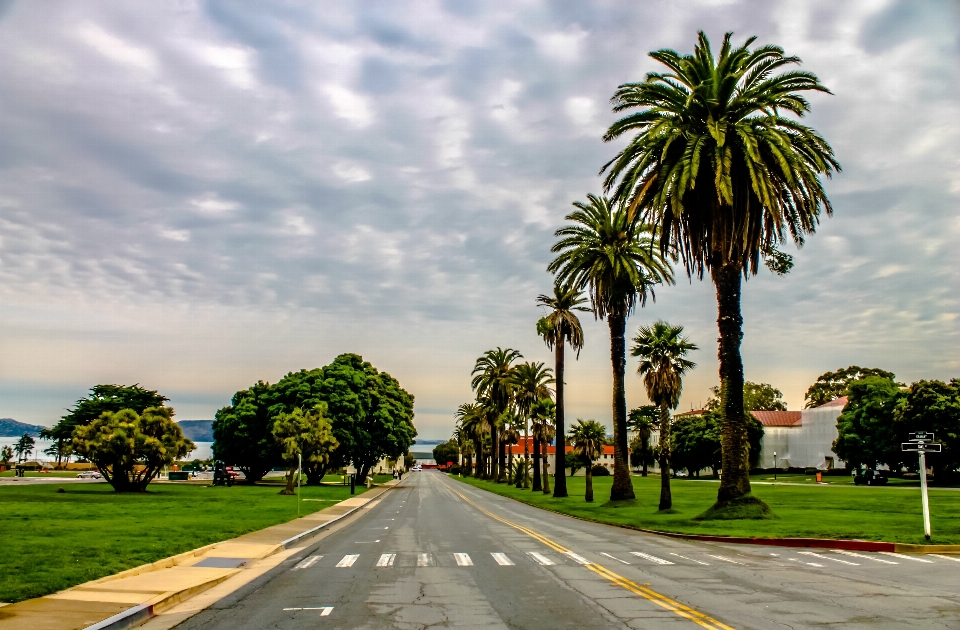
[{"x": 820, "y": 559}]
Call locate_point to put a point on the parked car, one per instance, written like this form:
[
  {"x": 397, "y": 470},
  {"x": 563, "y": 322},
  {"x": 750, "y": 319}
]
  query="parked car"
[
  {"x": 90, "y": 474},
  {"x": 869, "y": 478}
]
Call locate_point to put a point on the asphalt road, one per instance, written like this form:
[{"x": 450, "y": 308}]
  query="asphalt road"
[{"x": 435, "y": 553}]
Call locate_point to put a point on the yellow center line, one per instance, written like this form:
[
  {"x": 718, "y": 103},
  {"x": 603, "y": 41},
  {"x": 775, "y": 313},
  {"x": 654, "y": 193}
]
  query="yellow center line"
[{"x": 673, "y": 606}]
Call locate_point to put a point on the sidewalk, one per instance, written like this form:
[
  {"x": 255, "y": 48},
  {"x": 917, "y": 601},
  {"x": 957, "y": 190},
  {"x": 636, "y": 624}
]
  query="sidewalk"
[{"x": 132, "y": 596}]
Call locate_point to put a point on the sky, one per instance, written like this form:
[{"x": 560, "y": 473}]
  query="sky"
[{"x": 195, "y": 196}]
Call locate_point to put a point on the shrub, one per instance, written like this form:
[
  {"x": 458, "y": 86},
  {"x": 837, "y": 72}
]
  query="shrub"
[{"x": 599, "y": 470}]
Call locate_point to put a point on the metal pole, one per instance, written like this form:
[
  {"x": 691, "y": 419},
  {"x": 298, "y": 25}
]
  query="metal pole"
[{"x": 923, "y": 492}]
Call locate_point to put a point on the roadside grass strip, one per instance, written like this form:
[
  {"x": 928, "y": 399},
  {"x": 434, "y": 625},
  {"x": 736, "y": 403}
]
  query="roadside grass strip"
[
  {"x": 905, "y": 557},
  {"x": 386, "y": 559},
  {"x": 647, "y": 556},
  {"x": 865, "y": 557},
  {"x": 306, "y": 563},
  {"x": 822, "y": 557},
  {"x": 502, "y": 559},
  {"x": 348, "y": 561},
  {"x": 663, "y": 601}
]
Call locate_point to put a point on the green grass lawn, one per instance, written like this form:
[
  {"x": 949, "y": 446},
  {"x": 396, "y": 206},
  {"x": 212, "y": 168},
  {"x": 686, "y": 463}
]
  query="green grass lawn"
[
  {"x": 53, "y": 473},
  {"x": 841, "y": 511},
  {"x": 51, "y": 541}
]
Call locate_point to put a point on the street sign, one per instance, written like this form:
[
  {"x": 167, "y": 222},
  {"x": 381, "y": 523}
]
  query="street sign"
[
  {"x": 921, "y": 436},
  {"x": 921, "y": 446}
]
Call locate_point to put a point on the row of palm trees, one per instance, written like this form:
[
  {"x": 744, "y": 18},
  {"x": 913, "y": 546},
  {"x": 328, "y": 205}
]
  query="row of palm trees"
[{"x": 714, "y": 176}]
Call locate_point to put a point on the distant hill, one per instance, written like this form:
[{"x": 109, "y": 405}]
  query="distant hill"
[
  {"x": 429, "y": 442},
  {"x": 197, "y": 430},
  {"x": 11, "y": 428}
]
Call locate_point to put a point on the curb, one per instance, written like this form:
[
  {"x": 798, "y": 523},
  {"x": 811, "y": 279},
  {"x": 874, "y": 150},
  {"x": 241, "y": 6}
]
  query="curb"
[
  {"x": 126, "y": 619},
  {"x": 285, "y": 544}
]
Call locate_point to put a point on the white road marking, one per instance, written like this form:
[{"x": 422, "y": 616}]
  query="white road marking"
[
  {"x": 860, "y": 555},
  {"x": 726, "y": 559},
  {"x": 348, "y": 560},
  {"x": 542, "y": 559},
  {"x": 937, "y": 555},
  {"x": 306, "y": 563},
  {"x": 576, "y": 558},
  {"x": 647, "y": 556},
  {"x": 386, "y": 560},
  {"x": 706, "y": 564},
  {"x": 324, "y": 610},
  {"x": 463, "y": 559},
  {"x": 905, "y": 557},
  {"x": 822, "y": 557},
  {"x": 812, "y": 564},
  {"x": 423, "y": 560},
  {"x": 502, "y": 559},
  {"x": 613, "y": 557}
]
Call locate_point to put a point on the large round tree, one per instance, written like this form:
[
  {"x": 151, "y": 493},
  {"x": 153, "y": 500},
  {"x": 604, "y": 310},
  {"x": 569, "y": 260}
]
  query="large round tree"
[
  {"x": 724, "y": 175},
  {"x": 607, "y": 251}
]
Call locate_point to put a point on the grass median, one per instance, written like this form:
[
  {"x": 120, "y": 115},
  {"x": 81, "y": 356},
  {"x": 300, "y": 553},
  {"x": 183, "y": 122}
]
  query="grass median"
[
  {"x": 840, "y": 511},
  {"x": 53, "y": 540}
]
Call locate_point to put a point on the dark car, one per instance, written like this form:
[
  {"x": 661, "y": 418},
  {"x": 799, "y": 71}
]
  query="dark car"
[{"x": 869, "y": 478}]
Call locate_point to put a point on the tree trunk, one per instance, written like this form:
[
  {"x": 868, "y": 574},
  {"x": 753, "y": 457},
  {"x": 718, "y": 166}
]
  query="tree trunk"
[
  {"x": 645, "y": 453},
  {"x": 666, "y": 498},
  {"x": 362, "y": 473},
  {"x": 526, "y": 453},
  {"x": 588, "y": 497},
  {"x": 478, "y": 464},
  {"x": 735, "y": 478},
  {"x": 315, "y": 474},
  {"x": 494, "y": 454},
  {"x": 546, "y": 470},
  {"x": 510, "y": 466},
  {"x": 291, "y": 481},
  {"x": 622, "y": 487},
  {"x": 502, "y": 463},
  {"x": 537, "y": 486},
  {"x": 560, "y": 483}
]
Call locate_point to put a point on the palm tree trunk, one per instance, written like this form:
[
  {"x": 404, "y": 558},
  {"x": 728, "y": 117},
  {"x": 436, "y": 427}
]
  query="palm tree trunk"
[
  {"x": 735, "y": 478},
  {"x": 537, "y": 486},
  {"x": 526, "y": 453},
  {"x": 502, "y": 462},
  {"x": 560, "y": 483},
  {"x": 478, "y": 466},
  {"x": 666, "y": 498},
  {"x": 494, "y": 455},
  {"x": 645, "y": 452},
  {"x": 588, "y": 497},
  {"x": 546, "y": 470},
  {"x": 622, "y": 487}
]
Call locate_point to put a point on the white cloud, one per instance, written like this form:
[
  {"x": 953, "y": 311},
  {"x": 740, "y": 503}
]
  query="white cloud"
[
  {"x": 350, "y": 173},
  {"x": 212, "y": 204},
  {"x": 298, "y": 226},
  {"x": 236, "y": 63},
  {"x": 176, "y": 235},
  {"x": 350, "y": 106},
  {"x": 563, "y": 45},
  {"x": 115, "y": 48}
]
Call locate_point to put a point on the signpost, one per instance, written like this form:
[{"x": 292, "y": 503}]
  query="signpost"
[{"x": 922, "y": 443}]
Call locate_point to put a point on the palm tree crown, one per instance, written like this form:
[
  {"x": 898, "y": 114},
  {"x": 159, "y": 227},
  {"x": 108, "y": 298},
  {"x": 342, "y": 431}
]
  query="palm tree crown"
[
  {"x": 492, "y": 378},
  {"x": 561, "y": 325},
  {"x": 662, "y": 350},
  {"x": 587, "y": 439},
  {"x": 714, "y": 165},
  {"x": 530, "y": 382}
]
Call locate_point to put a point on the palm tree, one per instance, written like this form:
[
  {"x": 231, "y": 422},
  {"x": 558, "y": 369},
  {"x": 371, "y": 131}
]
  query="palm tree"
[
  {"x": 723, "y": 175},
  {"x": 542, "y": 418},
  {"x": 510, "y": 436},
  {"x": 531, "y": 382},
  {"x": 662, "y": 350},
  {"x": 587, "y": 438},
  {"x": 560, "y": 327},
  {"x": 491, "y": 378},
  {"x": 470, "y": 419},
  {"x": 609, "y": 251},
  {"x": 643, "y": 420}
]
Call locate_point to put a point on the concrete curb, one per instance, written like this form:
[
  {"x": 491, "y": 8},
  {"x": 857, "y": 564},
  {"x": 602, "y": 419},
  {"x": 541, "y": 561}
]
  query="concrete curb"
[
  {"x": 293, "y": 539},
  {"x": 126, "y": 619}
]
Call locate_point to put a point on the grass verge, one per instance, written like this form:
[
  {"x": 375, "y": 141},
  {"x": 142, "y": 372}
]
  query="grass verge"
[
  {"x": 52, "y": 540},
  {"x": 839, "y": 512}
]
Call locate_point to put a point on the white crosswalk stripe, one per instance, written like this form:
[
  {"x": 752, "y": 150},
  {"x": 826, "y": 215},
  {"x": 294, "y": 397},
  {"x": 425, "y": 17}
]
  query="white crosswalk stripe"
[
  {"x": 502, "y": 559},
  {"x": 937, "y": 555},
  {"x": 822, "y": 557},
  {"x": 602, "y": 553},
  {"x": 812, "y": 564},
  {"x": 726, "y": 559},
  {"x": 576, "y": 558},
  {"x": 706, "y": 564},
  {"x": 463, "y": 560},
  {"x": 306, "y": 563},
  {"x": 324, "y": 610},
  {"x": 423, "y": 559},
  {"x": 647, "y": 556},
  {"x": 906, "y": 557},
  {"x": 386, "y": 560},
  {"x": 860, "y": 555},
  {"x": 348, "y": 561},
  {"x": 542, "y": 559}
]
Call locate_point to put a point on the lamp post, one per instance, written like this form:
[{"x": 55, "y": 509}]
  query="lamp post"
[{"x": 774, "y": 465}]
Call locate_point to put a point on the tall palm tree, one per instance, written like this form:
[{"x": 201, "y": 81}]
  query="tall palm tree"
[
  {"x": 542, "y": 418},
  {"x": 643, "y": 420},
  {"x": 723, "y": 174},
  {"x": 510, "y": 436},
  {"x": 608, "y": 251},
  {"x": 587, "y": 438},
  {"x": 470, "y": 419},
  {"x": 558, "y": 328},
  {"x": 662, "y": 350},
  {"x": 531, "y": 382},
  {"x": 491, "y": 378}
]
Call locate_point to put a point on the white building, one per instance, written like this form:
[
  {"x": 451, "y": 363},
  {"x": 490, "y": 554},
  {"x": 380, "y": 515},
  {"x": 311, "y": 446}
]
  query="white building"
[{"x": 800, "y": 439}]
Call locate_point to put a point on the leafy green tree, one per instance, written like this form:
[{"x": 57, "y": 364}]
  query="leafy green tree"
[
  {"x": 756, "y": 397},
  {"x": 643, "y": 420},
  {"x": 24, "y": 447},
  {"x": 130, "y": 449},
  {"x": 243, "y": 432},
  {"x": 6, "y": 454},
  {"x": 60, "y": 450},
  {"x": 558, "y": 328},
  {"x": 447, "y": 452},
  {"x": 542, "y": 417},
  {"x": 695, "y": 442},
  {"x": 933, "y": 406},
  {"x": 587, "y": 438},
  {"x": 866, "y": 434},
  {"x": 832, "y": 385},
  {"x": 611, "y": 253},
  {"x": 530, "y": 383},
  {"x": 492, "y": 380},
  {"x": 662, "y": 350},
  {"x": 723, "y": 174},
  {"x": 103, "y": 398},
  {"x": 305, "y": 437}
]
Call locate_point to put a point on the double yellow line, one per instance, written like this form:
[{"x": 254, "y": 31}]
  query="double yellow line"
[{"x": 618, "y": 580}]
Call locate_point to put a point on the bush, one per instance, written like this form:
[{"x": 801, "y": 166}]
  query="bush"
[
  {"x": 454, "y": 470},
  {"x": 599, "y": 470}
]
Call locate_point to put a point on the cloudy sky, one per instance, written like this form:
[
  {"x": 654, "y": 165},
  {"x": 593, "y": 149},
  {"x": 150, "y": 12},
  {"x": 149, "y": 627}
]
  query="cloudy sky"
[{"x": 198, "y": 195}]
